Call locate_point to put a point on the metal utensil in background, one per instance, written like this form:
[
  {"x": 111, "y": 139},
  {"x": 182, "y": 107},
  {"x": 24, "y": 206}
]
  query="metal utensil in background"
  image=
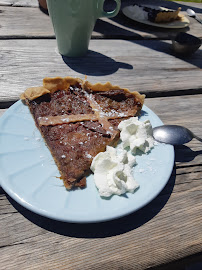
[
  {"x": 192, "y": 14},
  {"x": 173, "y": 134}
]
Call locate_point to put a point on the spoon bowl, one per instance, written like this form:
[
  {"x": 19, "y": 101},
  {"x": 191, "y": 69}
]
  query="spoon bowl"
[
  {"x": 192, "y": 14},
  {"x": 173, "y": 134}
]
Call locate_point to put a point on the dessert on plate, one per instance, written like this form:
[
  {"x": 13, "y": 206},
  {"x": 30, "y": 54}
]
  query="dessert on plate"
[
  {"x": 155, "y": 14},
  {"x": 78, "y": 120}
]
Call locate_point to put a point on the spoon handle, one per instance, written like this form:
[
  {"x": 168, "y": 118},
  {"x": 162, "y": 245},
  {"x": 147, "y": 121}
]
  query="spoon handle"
[
  {"x": 199, "y": 20},
  {"x": 196, "y": 137}
]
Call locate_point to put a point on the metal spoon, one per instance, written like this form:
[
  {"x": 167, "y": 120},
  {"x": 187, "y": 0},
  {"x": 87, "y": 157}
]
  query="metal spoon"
[
  {"x": 192, "y": 14},
  {"x": 173, "y": 134}
]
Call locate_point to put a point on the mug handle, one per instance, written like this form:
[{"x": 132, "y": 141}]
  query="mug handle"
[{"x": 110, "y": 13}]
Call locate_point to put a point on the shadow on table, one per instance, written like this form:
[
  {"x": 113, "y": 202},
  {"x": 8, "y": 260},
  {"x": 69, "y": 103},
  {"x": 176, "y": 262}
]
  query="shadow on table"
[
  {"x": 102, "y": 229},
  {"x": 135, "y": 30},
  {"x": 164, "y": 47},
  {"x": 109, "y": 30},
  {"x": 110, "y": 4},
  {"x": 154, "y": 44},
  {"x": 167, "y": 4},
  {"x": 95, "y": 64},
  {"x": 185, "y": 154}
]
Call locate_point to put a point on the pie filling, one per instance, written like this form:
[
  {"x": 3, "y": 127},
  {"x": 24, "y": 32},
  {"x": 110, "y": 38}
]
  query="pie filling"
[{"x": 78, "y": 120}]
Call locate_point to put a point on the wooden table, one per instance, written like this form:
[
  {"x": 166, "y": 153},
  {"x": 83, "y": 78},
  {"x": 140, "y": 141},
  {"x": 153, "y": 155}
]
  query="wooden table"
[{"x": 167, "y": 233}]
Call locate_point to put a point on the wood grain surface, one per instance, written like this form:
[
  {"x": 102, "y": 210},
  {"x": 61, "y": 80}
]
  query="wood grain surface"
[
  {"x": 165, "y": 234},
  {"x": 20, "y": 3},
  {"x": 19, "y": 21},
  {"x": 149, "y": 67},
  {"x": 166, "y": 230}
]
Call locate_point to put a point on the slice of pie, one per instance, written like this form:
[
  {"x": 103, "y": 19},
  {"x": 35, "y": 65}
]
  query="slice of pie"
[
  {"x": 163, "y": 16},
  {"x": 78, "y": 120},
  {"x": 157, "y": 14}
]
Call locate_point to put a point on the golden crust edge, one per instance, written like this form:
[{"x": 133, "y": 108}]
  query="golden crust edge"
[
  {"x": 169, "y": 16},
  {"x": 51, "y": 85}
]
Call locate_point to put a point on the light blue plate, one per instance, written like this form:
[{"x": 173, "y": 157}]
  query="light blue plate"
[{"x": 29, "y": 175}]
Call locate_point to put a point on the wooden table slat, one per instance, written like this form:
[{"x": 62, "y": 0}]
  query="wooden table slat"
[
  {"x": 172, "y": 223},
  {"x": 19, "y": 3},
  {"x": 149, "y": 67},
  {"x": 167, "y": 233},
  {"x": 23, "y": 22}
]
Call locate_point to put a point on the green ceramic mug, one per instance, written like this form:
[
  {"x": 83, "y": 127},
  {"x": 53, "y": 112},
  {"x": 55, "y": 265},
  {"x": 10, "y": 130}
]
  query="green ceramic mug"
[{"x": 73, "y": 22}]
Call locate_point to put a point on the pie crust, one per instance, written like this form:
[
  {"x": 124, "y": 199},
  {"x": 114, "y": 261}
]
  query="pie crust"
[{"x": 78, "y": 120}]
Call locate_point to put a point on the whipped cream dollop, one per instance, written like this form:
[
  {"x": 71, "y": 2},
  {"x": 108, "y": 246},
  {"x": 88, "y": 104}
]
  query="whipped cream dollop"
[
  {"x": 138, "y": 12},
  {"x": 113, "y": 172},
  {"x": 113, "y": 168},
  {"x": 136, "y": 134}
]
